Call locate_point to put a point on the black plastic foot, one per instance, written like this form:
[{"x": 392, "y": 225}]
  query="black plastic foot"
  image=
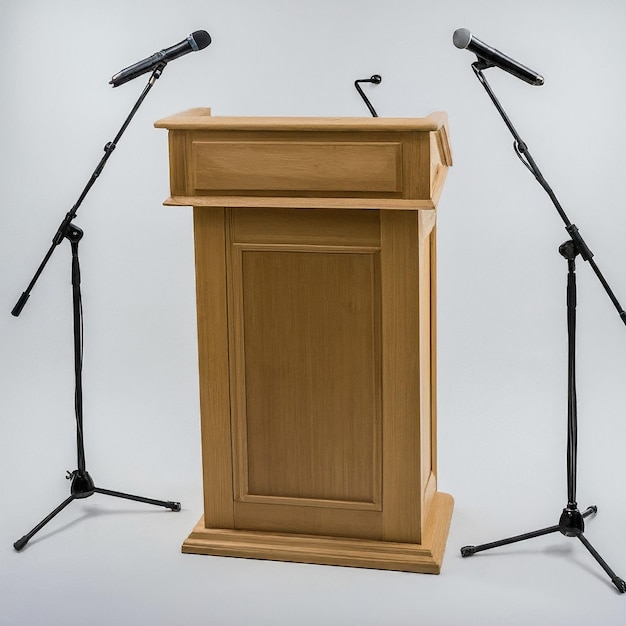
[
  {"x": 620, "y": 584},
  {"x": 468, "y": 550},
  {"x": 20, "y": 543},
  {"x": 174, "y": 506}
]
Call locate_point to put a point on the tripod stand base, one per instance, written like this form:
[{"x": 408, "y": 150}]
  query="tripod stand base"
[
  {"x": 571, "y": 524},
  {"x": 84, "y": 487}
]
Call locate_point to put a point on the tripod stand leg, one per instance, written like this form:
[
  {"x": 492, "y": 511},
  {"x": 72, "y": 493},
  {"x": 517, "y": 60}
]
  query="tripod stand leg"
[
  {"x": 615, "y": 579},
  {"x": 590, "y": 510},
  {"x": 174, "y": 506},
  {"x": 20, "y": 543},
  {"x": 469, "y": 550}
]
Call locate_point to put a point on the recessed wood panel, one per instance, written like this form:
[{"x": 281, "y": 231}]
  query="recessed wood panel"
[
  {"x": 297, "y": 166},
  {"x": 309, "y": 405}
]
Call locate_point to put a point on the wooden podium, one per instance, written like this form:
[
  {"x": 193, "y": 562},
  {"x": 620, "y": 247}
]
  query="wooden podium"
[{"x": 315, "y": 273}]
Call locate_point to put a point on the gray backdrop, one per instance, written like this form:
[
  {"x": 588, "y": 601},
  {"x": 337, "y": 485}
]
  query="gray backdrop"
[{"x": 502, "y": 336}]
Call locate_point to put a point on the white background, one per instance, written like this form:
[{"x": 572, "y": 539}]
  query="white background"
[{"x": 502, "y": 336}]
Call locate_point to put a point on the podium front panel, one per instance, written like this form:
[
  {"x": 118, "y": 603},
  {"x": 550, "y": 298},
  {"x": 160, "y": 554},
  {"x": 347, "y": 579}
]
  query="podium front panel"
[
  {"x": 305, "y": 371},
  {"x": 327, "y": 319}
]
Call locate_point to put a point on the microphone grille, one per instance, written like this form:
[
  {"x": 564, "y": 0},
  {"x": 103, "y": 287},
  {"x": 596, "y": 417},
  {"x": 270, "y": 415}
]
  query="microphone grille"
[
  {"x": 461, "y": 38},
  {"x": 201, "y": 38}
]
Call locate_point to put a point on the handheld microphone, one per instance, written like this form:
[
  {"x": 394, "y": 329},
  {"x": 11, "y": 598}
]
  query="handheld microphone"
[
  {"x": 462, "y": 38},
  {"x": 198, "y": 40}
]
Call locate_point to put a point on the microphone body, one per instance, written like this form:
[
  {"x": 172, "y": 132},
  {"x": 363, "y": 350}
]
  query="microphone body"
[
  {"x": 462, "y": 38},
  {"x": 198, "y": 40}
]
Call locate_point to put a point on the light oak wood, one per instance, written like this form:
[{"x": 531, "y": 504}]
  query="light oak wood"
[
  {"x": 209, "y": 229},
  {"x": 303, "y": 308},
  {"x": 201, "y": 119},
  {"x": 268, "y": 202},
  {"x": 278, "y": 166},
  {"x": 407, "y": 557},
  {"x": 305, "y": 374},
  {"x": 316, "y": 284},
  {"x": 218, "y": 161}
]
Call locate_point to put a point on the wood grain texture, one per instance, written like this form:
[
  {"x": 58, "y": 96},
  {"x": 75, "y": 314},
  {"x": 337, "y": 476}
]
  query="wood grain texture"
[
  {"x": 312, "y": 423},
  {"x": 316, "y": 289},
  {"x": 401, "y": 377},
  {"x": 305, "y": 372},
  {"x": 304, "y": 202},
  {"x": 213, "y": 359},
  {"x": 201, "y": 119},
  {"x": 425, "y": 557},
  {"x": 322, "y": 227},
  {"x": 316, "y": 158},
  {"x": 303, "y": 166}
]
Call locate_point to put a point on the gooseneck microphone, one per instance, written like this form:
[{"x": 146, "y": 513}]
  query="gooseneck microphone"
[
  {"x": 198, "y": 40},
  {"x": 462, "y": 38}
]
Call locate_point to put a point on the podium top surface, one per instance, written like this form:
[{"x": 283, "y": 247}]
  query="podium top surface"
[{"x": 201, "y": 118}]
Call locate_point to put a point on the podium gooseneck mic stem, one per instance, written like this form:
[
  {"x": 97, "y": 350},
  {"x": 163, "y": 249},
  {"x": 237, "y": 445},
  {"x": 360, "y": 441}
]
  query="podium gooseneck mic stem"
[
  {"x": 375, "y": 79},
  {"x": 571, "y": 522},
  {"x": 82, "y": 485}
]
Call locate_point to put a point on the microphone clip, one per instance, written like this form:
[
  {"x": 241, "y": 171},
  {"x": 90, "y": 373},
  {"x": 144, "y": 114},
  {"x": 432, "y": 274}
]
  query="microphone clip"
[
  {"x": 157, "y": 71},
  {"x": 481, "y": 64}
]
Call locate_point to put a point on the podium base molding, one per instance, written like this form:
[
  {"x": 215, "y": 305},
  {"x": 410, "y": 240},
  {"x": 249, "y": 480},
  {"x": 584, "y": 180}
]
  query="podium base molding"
[{"x": 425, "y": 557}]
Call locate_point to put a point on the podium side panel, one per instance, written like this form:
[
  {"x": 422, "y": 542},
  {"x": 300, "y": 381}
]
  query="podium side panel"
[
  {"x": 427, "y": 374},
  {"x": 433, "y": 347},
  {"x": 209, "y": 234},
  {"x": 402, "y": 484},
  {"x": 179, "y": 174}
]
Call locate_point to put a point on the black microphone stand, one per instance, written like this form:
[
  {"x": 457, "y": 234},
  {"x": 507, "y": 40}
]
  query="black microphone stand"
[
  {"x": 571, "y": 523},
  {"x": 82, "y": 485}
]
